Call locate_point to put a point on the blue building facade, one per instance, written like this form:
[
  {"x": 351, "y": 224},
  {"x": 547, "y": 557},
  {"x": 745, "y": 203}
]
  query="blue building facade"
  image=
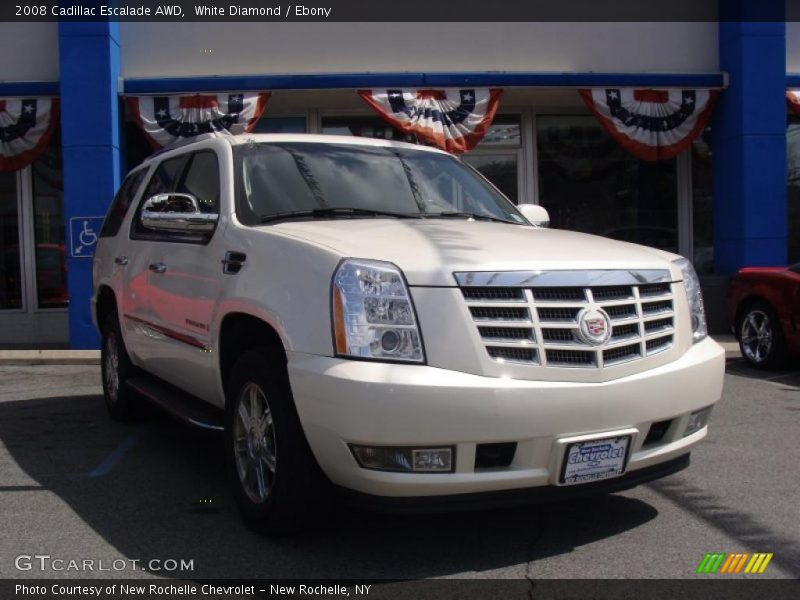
[{"x": 723, "y": 202}]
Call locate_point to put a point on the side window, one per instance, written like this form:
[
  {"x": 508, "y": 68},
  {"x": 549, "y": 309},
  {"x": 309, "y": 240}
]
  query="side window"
[
  {"x": 163, "y": 180},
  {"x": 202, "y": 181},
  {"x": 122, "y": 201},
  {"x": 196, "y": 174}
]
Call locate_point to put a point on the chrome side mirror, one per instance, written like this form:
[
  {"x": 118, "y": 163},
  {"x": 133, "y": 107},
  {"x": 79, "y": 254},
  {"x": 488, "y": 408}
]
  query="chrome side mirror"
[
  {"x": 536, "y": 215},
  {"x": 177, "y": 213}
]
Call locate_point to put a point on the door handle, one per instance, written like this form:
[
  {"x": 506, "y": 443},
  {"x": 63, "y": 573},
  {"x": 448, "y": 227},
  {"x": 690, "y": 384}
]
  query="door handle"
[
  {"x": 121, "y": 260},
  {"x": 158, "y": 267}
]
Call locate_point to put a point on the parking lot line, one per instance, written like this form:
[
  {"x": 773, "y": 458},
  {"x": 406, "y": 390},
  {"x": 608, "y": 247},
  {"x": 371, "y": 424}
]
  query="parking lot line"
[{"x": 104, "y": 468}]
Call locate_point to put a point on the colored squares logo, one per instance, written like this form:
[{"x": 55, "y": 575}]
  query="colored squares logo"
[{"x": 737, "y": 562}]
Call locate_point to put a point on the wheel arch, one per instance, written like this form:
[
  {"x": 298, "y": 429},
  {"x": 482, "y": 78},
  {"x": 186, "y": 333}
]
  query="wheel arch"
[
  {"x": 239, "y": 332},
  {"x": 106, "y": 302}
]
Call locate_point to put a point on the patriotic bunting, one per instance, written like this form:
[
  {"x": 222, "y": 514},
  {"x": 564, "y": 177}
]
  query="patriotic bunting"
[
  {"x": 451, "y": 119},
  {"x": 165, "y": 119},
  {"x": 26, "y": 125},
  {"x": 793, "y": 100},
  {"x": 652, "y": 124}
]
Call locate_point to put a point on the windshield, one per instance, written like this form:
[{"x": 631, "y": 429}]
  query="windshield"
[{"x": 288, "y": 178}]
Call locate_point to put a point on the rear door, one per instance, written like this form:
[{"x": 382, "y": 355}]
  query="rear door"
[{"x": 111, "y": 257}]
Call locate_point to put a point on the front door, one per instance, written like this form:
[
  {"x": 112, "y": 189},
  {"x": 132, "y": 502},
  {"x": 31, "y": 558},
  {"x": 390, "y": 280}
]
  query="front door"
[{"x": 183, "y": 284}]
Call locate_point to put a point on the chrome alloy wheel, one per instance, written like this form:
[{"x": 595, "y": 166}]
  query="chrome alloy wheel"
[
  {"x": 757, "y": 336},
  {"x": 254, "y": 443},
  {"x": 111, "y": 364}
]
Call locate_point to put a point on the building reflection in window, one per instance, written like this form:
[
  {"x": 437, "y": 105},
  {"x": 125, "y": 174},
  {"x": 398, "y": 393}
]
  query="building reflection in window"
[{"x": 588, "y": 183}]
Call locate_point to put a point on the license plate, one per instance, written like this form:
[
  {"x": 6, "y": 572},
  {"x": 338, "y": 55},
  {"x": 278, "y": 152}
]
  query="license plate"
[{"x": 594, "y": 460}]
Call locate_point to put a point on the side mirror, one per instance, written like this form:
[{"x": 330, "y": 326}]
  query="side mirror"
[
  {"x": 536, "y": 215},
  {"x": 177, "y": 213}
]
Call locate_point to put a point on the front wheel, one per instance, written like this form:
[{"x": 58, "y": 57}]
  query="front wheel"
[
  {"x": 761, "y": 337},
  {"x": 275, "y": 479}
]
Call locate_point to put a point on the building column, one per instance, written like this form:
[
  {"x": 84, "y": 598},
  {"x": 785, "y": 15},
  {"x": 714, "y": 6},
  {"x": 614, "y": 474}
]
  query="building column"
[
  {"x": 749, "y": 147},
  {"x": 90, "y": 134}
]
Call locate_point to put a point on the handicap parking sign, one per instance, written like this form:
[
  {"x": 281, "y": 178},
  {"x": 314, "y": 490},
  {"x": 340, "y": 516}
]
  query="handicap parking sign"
[{"x": 83, "y": 232}]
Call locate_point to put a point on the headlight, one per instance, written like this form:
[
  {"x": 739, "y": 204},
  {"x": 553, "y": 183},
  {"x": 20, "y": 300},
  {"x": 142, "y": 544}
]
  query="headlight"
[
  {"x": 373, "y": 316},
  {"x": 695, "y": 297}
]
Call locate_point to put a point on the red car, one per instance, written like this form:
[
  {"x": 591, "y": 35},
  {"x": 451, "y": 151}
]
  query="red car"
[{"x": 763, "y": 311}]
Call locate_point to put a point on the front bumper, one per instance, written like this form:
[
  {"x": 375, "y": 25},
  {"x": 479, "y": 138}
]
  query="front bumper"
[
  {"x": 344, "y": 401},
  {"x": 513, "y": 497}
]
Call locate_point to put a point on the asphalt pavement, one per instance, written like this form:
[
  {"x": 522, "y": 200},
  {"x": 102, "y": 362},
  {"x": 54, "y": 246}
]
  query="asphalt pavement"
[{"x": 76, "y": 486}]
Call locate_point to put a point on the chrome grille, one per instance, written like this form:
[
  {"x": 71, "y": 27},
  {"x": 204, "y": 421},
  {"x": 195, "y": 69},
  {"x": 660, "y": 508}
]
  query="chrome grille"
[
  {"x": 554, "y": 294},
  {"x": 625, "y": 311},
  {"x": 538, "y": 324},
  {"x": 499, "y": 313},
  {"x": 570, "y": 358},
  {"x": 558, "y": 314},
  {"x": 506, "y": 333},
  {"x": 626, "y": 332},
  {"x": 558, "y": 335},
  {"x": 505, "y": 354},
  {"x": 654, "y": 308},
  {"x": 494, "y": 294},
  {"x": 621, "y": 354},
  {"x": 658, "y": 344}
]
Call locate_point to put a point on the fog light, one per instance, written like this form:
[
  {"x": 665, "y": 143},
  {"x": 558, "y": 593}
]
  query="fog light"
[
  {"x": 697, "y": 420},
  {"x": 421, "y": 460}
]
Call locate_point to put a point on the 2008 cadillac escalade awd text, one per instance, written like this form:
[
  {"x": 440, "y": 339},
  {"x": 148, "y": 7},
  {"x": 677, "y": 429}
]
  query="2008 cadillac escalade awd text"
[{"x": 375, "y": 319}]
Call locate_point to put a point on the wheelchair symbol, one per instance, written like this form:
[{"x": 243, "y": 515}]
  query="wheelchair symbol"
[{"x": 84, "y": 235}]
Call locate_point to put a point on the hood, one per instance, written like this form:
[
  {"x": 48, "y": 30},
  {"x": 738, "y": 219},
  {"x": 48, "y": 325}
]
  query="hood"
[{"x": 429, "y": 251}]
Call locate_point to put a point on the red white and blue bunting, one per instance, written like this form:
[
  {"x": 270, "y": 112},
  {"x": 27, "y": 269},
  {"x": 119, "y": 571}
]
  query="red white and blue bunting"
[
  {"x": 451, "y": 119},
  {"x": 793, "y": 100},
  {"x": 26, "y": 125},
  {"x": 165, "y": 119},
  {"x": 652, "y": 124}
]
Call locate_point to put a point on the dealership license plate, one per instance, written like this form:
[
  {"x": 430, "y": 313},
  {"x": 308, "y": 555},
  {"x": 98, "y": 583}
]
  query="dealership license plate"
[{"x": 594, "y": 460}]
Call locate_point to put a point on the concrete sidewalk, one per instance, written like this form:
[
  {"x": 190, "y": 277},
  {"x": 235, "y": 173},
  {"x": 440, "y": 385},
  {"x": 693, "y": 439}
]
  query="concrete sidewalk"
[
  {"x": 49, "y": 357},
  {"x": 92, "y": 357}
]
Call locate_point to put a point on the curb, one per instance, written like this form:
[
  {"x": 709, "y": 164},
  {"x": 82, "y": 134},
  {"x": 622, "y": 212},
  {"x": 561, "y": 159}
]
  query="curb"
[
  {"x": 92, "y": 357},
  {"x": 730, "y": 344},
  {"x": 49, "y": 357}
]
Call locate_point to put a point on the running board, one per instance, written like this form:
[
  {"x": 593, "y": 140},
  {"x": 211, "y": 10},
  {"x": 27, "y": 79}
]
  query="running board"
[{"x": 179, "y": 404}]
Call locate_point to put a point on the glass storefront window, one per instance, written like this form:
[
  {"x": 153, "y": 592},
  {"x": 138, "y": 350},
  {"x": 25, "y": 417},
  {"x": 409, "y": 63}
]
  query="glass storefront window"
[
  {"x": 280, "y": 125},
  {"x": 371, "y": 127},
  {"x": 137, "y": 148},
  {"x": 504, "y": 131},
  {"x": 10, "y": 263},
  {"x": 589, "y": 183},
  {"x": 793, "y": 187},
  {"x": 48, "y": 220},
  {"x": 702, "y": 204}
]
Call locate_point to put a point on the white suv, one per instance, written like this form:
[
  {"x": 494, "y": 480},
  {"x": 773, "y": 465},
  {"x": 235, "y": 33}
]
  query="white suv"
[{"x": 375, "y": 319}]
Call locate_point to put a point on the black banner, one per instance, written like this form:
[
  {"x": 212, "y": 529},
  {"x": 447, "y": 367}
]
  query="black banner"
[
  {"x": 709, "y": 588},
  {"x": 406, "y": 11}
]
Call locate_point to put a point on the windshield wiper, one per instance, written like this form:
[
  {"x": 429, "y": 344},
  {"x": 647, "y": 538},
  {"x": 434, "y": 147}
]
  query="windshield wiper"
[
  {"x": 332, "y": 212},
  {"x": 468, "y": 215}
]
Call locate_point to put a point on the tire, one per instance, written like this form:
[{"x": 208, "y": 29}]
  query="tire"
[
  {"x": 760, "y": 336},
  {"x": 116, "y": 368},
  {"x": 274, "y": 477}
]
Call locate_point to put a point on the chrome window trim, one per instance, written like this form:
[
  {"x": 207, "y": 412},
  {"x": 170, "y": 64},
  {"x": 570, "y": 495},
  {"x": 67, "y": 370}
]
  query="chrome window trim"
[{"x": 576, "y": 278}]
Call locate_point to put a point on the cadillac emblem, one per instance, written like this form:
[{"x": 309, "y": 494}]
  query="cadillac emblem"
[{"x": 594, "y": 325}]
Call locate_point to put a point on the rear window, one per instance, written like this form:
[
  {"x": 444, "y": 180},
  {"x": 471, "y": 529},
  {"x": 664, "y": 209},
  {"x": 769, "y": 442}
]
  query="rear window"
[{"x": 121, "y": 203}]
